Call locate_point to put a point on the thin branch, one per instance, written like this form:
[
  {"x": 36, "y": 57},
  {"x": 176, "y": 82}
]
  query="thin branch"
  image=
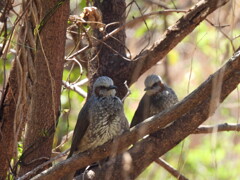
[
  {"x": 141, "y": 18},
  {"x": 82, "y": 82},
  {"x": 42, "y": 166},
  {"x": 220, "y": 27},
  {"x": 170, "y": 169},
  {"x": 128, "y": 92},
  {"x": 75, "y": 88},
  {"x": 64, "y": 140},
  {"x": 13, "y": 51},
  {"x": 78, "y": 52},
  {"x": 115, "y": 51},
  {"x": 205, "y": 129},
  {"x": 158, "y": 3}
]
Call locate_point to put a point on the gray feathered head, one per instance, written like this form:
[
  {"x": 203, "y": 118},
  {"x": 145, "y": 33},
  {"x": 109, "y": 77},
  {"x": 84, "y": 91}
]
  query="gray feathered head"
[
  {"x": 104, "y": 86},
  {"x": 153, "y": 84}
]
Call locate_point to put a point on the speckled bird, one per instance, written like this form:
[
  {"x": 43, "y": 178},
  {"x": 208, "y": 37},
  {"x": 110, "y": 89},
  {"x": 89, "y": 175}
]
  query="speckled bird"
[
  {"x": 101, "y": 119},
  {"x": 158, "y": 97}
]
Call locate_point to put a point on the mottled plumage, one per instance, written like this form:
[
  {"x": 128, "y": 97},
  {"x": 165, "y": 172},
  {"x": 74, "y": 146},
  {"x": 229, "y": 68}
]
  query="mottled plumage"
[
  {"x": 101, "y": 119},
  {"x": 158, "y": 97}
]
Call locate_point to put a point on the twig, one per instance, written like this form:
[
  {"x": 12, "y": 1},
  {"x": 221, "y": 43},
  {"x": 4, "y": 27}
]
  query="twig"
[
  {"x": 64, "y": 140},
  {"x": 128, "y": 24},
  {"x": 170, "y": 169},
  {"x": 80, "y": 69},
  {"x": 82, "y": 82},
  {"x": 158, "y": 3},
  {"x": 34, "y": 171},
  {"x": 128, "y": 91},
  {"x": 220, "y": 27},
  {"x": 217, "y": 26},
  {"x": 75, "y": 88},
  {"x": 236, "y": 37},
  {"x": 11, "y": 50},
  {"x": 141, "y": 18},
  {"x": 205, "y": 129},
  {"x": 78, "y": 52},
  {"x": 115, "y": 51}
]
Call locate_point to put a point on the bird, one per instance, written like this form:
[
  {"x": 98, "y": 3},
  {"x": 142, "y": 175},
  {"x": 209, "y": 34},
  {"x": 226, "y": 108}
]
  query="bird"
[
  {"x": 158, "y": 97},
  {"x": 101, "y": 118}
]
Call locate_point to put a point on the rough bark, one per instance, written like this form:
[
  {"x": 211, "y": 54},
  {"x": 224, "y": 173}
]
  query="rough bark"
[
  {"x": 7, "y": 125},
  {"x": 108, "y": 62},
  {"x": 48, "y": 22},
  {"x": 187, "y": 116},
  {"x": 15, "y": 102}
]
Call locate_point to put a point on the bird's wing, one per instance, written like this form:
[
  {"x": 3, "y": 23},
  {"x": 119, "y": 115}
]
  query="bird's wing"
[
  {"x": 81, "y": 127},
  {"x": 174, "y": 98},
  {"x": 142, "y": 111}
]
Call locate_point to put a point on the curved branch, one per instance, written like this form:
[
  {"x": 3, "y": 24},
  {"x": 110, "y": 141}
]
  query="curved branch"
[{"x": 172, "y": 36}]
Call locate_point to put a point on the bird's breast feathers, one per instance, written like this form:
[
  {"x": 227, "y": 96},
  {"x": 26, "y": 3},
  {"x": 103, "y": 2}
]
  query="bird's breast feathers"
[{"x": 106, "y": 120}]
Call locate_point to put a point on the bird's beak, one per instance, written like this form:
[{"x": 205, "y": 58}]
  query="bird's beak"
[
  {"x": 147, "y": 88},
  {"x": 112, "y": 87}
]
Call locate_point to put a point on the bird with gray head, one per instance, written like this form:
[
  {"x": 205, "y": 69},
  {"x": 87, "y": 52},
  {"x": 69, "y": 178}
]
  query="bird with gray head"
[
  {"x": 158, "y": 97},
  {"x": 100, "y": 120}
]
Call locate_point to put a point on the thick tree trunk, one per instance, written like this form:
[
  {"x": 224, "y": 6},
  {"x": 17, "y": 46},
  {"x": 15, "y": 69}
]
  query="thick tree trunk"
[
  {"x": 49, "y": 21},
  {"x": 108, "y": 62},
  {"x": 7, "y": 135},
  {"x": 16, "y": 99}
]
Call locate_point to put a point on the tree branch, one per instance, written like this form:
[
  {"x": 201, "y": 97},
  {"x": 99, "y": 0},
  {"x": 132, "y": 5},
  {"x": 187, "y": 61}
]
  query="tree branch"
[
  {"x": 170, "y": 169},
  {"x": 75, "y": 88},
  {"x": 172, "y": 36},
  {"x": 140, "y": 19},
  {"x": 187, "y": 115},
  {"x": 204, "y": 129}
]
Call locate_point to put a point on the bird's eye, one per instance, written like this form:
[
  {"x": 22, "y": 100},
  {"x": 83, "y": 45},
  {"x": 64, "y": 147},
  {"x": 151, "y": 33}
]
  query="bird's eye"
[
  {"x": 102, "y": 87},
  {"x": 155, "y": 84}
]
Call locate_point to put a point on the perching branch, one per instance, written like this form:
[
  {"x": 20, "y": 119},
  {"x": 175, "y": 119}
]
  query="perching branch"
[{"x": 187, "y": 115}]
